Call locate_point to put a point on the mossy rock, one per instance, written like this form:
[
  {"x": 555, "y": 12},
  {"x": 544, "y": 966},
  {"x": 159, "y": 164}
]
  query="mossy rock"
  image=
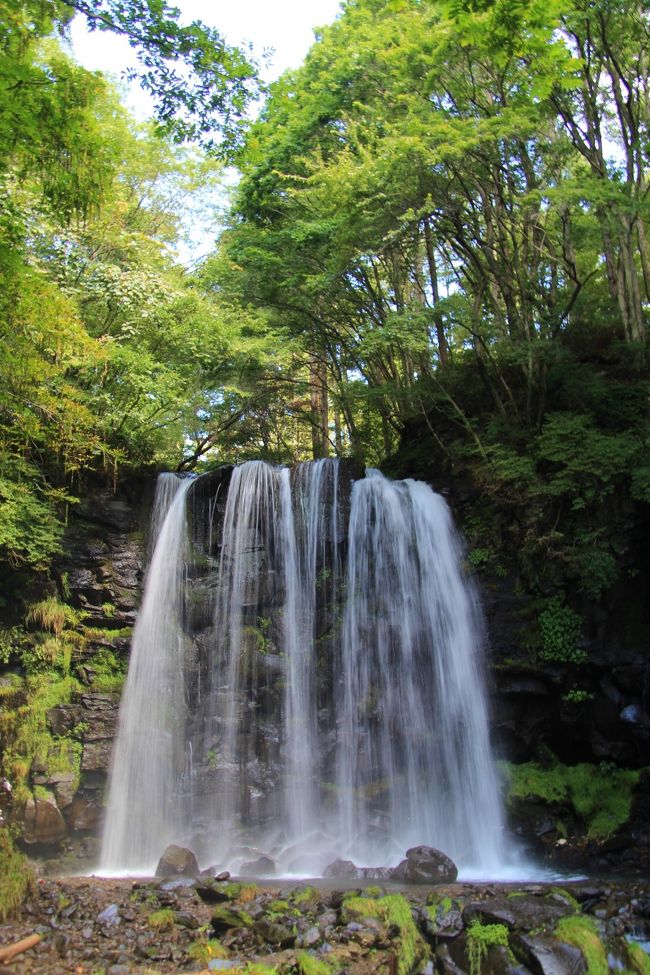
[
  {"x": 224, "y": 918},
  {"x": 395, "y": 911},
  {"x": 582, "y": 933},
  {"x": 304, "y": 898}
]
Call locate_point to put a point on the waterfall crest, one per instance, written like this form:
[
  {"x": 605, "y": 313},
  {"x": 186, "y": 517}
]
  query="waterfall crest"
[{"x": 305, "y": 679}]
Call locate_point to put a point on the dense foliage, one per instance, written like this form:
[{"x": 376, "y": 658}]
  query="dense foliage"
[
  {"x": 110, "y": 356},
  {"x": 437, "y": 253},
  {"x": 446, "y": 207}
]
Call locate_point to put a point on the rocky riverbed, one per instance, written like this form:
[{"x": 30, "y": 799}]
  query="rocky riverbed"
[{"x": 93, "y": 926}]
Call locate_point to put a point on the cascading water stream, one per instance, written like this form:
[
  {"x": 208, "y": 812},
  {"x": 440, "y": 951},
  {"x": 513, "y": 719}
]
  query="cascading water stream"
[
  {"x": 413, "y": 717},
  {"x": 143, "y": 812},
  {"x": 305, "y": 680}
]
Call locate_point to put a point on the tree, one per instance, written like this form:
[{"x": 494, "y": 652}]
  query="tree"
[{"x": 202, "y": 87}]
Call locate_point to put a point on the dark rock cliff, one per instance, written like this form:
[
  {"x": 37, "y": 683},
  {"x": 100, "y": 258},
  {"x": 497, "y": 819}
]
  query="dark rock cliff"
[{"x": 591, "y": 711}]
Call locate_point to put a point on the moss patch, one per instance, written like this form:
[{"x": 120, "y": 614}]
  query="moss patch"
[
  {"x": 480, "y": 938},
  {"x": 309, "y": 965},
  {"x": 396, "y": 912},
  {"x": 581, "y": 932},
  {"x": 599, "y": 796},
  {"x": 162, "y": 920},
  {"x": 16, "y": 879},
  {"x": 28, "y": 735},
  {"x": 205, "y": 950}
]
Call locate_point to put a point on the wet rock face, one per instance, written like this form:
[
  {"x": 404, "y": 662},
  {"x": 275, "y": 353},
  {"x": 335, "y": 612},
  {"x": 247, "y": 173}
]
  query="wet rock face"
[
  {"x": 43, "y": 822},
  {"x": 104, "y": 558},
  {"x": 531, "y": 698},
  {"x": 100, "y": 574}
]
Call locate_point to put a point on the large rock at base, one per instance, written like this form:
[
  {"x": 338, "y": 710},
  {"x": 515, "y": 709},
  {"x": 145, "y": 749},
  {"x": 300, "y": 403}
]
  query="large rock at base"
[
  {"x": 262, "y": 867},
  {"x": 345, "y": 869},
  {"x": 425, "y": 865},
  {"x": 177, "y": 861},
  {"x": 43, "y": 822}
]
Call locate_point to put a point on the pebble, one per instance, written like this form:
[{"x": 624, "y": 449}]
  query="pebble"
[{"x": 109, "y": 916}]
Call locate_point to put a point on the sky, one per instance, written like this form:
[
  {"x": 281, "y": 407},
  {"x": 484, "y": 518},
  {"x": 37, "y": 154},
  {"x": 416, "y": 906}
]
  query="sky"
[{"x": 286, "y": 26}]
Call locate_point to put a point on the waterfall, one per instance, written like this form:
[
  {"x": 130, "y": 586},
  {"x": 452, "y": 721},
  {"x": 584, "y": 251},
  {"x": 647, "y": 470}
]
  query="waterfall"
[
  {"x": 144, "y": 810},
  {"x": 414, "y": 751},
  {"x": 305, "y": 679}
]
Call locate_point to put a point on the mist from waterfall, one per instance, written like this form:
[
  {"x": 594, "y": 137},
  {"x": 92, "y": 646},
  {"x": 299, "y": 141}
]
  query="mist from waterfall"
[{"x": 305, "y": 679}]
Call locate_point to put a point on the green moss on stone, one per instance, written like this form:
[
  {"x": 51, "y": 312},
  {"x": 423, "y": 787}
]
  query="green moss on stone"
[
  {"x": 309, "y": 965},
  {"x": 638, "y": 958},
  {"x": 581, "y": 932},
  {"x": 600, "y": 796},
  {"x": 16, "y": 879},
  {"x": 396, "y": 912},
  {"x": 480, "y": 938},
  {"x": 162, "y": 920}
]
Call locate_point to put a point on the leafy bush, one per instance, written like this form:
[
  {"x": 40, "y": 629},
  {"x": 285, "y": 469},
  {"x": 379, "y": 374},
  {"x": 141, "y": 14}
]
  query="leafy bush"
[{"x": 560, "y": 629}]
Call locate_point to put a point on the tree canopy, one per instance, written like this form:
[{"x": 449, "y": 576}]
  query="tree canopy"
[{"x": 436, "y": 253}]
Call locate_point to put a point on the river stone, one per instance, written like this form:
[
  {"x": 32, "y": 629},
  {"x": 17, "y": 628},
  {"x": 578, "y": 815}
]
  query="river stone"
[
  {"x": 442, "y": 920},
  {"x": 177, "y": 860},
  {"x": 211, "y": 892},
  {"x": 548, "y": 956},
  {"x": 110, "y": 916},
  {"x": 518, "y": 913},
  {"x": 274, "y": 933},
  {"x": 43, "y": 822},
  {"x": 425, "y": 865}
]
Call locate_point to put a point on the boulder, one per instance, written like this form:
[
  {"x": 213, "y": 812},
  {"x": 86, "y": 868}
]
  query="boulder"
[
  {"x": 548, "y": 956},
  {"x": 425, "y": 865},
  {"x": 225, "y": 918},
  {"x": 519, "y": 913},
  {"x": 177, "y": 860},
  {"x": 341, "y": 868},
  {"x": 262, "y": 867},
  {"x": 43, "y": 822}
]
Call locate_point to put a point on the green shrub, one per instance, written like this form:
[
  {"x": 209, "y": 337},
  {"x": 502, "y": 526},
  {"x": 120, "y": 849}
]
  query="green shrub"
[
  {"x": 560, "y": 629},
  {"x": 52, "y": 615}
]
